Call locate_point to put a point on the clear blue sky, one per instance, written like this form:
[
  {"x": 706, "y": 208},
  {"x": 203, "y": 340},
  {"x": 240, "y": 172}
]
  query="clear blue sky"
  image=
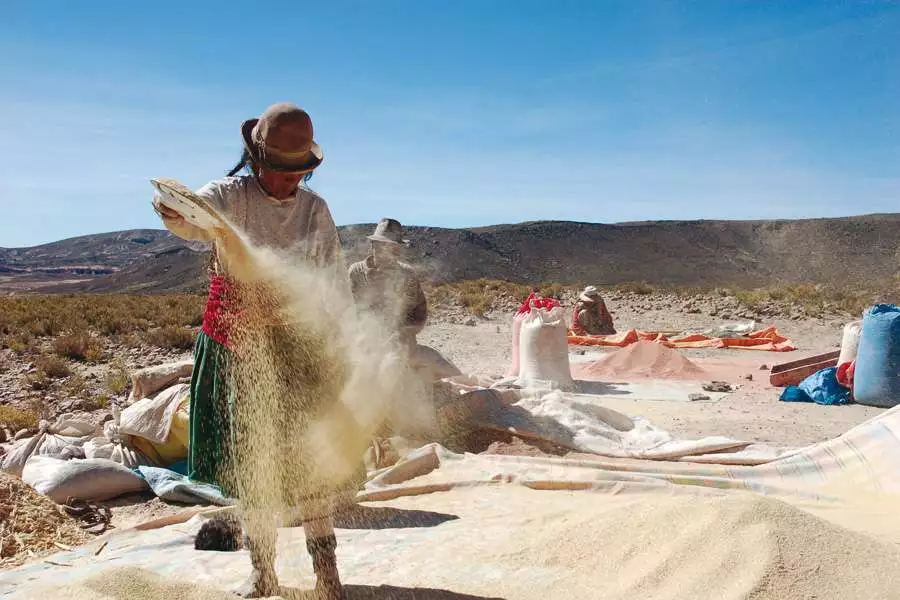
[{"x": 458, "y": 113}]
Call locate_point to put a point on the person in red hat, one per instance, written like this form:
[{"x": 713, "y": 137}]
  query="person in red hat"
[{"x": 266, "y": 196}]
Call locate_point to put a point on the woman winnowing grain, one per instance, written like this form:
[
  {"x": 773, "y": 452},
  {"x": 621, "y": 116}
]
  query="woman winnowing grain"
[{"x": 272, "y": 207}]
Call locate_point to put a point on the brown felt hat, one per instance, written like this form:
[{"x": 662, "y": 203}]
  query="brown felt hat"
[{"x": 281, "y": 139}]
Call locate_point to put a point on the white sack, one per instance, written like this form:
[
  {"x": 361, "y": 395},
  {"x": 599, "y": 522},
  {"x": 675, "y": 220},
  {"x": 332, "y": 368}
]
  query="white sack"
[
  {"x": 151, "y": 418},
  {"x": 115, "y": 446},
  {"x": 544, "y": 349},
  {"x": 850, "y": 342},
  {"x": 516, "y": 332},
  {"x": 91, "y": 479},
  {"x": 64, "y": 439},
  {"x": 116, "y": 451},
  {"x": 147, "y": 382}
]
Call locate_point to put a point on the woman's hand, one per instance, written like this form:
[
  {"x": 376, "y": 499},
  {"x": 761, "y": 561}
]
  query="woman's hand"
[
  {"x": 167, "y": 214},
  {"x": 177, "y": 224}
]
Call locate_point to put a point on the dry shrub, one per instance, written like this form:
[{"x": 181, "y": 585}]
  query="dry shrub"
[
  {"x": 115, "y": 325},
  {"x": 91, "y": 402},
  {"x": 107, "y": 315},
  {"x": 820, "y": 299},
  {"x": 76, "y": 387},
  {"x": 52, "y": 366},
  {"x": 482, "y": 295},
  {"x": 751, "y": 298},
  {"x": 117, "y": 379},
  {"x": 44, "y": 327},
  {"x": 39, "y": 407},
  {"x": 20, "y": 342},
  {"x": 38, "y": 380},
  {"x": 692, "y": 290},
  {"x": 182, "y": 310},
  {"x": 172, "y": 337},
  {"x": 636, "y": 287},
  {"x": 478, "y": 295},
  {"x": 79, "y": 345},
  {"x": 129, "y": 340},
  {"x": 15, "y": 419},
  {"x": 478, "y": 304},
  {"x": 552, "y": 290}
]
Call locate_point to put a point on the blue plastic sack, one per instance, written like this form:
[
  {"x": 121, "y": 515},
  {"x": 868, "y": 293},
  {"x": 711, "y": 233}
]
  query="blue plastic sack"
[
  {"x": 876, "y": 380},
  {"x": 794, "y": 394},
  {"x": 821, "y": 387}
]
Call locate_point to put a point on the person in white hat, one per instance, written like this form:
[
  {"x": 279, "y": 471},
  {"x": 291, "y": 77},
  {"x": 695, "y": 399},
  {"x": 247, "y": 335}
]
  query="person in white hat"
[
  {"x": 389, "y": 287},
  {"x": 265, "y": 196},
  {"x": 591, "y": 316}
]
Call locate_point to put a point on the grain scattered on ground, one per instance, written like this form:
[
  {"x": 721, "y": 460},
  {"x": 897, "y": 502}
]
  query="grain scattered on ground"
[{"x": 31, "y": 524}]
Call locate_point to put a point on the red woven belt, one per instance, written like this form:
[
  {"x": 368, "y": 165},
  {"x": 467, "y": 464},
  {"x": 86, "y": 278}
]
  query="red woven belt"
[{"x": 218, "y": 311}]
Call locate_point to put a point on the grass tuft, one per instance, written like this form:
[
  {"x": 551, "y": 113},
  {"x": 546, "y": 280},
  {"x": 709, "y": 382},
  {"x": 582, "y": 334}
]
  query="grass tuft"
[
  {"x": 79, "y": 345},
  {"x": 171, "y": 337},
  {"x": 15, "y": 419}
]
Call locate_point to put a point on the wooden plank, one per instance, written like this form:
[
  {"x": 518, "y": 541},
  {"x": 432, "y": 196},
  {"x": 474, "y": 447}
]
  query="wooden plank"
[
  {"x": 794, "y": 372},
  {"x": 809, "y": 360},
  {"x": 180, "y": 517}
]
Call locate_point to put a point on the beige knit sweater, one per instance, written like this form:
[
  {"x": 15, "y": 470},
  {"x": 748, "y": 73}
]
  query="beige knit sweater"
[{"x": 301, "y": 226}]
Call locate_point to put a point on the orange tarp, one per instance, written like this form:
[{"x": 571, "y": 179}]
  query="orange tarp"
[{"x": 767, "y": 339}]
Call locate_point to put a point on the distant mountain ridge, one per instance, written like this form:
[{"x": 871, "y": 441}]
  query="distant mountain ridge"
[{"x": 843, "y": 250}]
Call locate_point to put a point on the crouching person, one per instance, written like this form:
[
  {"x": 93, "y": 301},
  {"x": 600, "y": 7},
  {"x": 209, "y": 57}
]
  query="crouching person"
[{"x": 591, "y": 316}]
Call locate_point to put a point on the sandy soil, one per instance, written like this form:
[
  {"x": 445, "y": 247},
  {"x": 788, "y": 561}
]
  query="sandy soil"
[
  {"x": 17, "y": 284},
  {"x": 753, "y": 412}
]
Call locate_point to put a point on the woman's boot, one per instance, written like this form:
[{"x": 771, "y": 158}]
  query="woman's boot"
[
  {"x": 260, "y": 538},
  {"x": 324, "y": 559}
]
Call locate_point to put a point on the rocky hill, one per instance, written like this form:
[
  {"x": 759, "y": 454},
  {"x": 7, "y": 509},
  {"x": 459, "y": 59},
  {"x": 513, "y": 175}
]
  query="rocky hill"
[
  {"x": 149, "y": 259},
  {"x": 851, "y": 250},
  {"x": 102, "y": 252}
]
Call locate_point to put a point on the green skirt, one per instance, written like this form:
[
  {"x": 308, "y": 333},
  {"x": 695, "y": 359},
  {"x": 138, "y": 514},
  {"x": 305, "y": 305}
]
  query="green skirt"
[
  {"x": 212, "y": 414},
  {"x": 213, "y": 425}
]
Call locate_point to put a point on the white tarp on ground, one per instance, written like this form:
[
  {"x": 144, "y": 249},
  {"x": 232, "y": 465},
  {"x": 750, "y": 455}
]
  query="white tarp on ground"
[
  {"x": 581, "y": 423},
  {"x": 577, "y": 421},
  {"x": 452, "y": 526}
]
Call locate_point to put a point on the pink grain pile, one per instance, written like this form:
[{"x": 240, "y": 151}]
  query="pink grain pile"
[{"x": 642, "y": 360}]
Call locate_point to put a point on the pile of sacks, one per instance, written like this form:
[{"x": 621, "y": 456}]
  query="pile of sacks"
[
  {"x": 71, "y": 459},
  {"x": 144, "y": 446},
  {"x": 874, "y": 373},
  {"x": 868, "y": 366}
]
